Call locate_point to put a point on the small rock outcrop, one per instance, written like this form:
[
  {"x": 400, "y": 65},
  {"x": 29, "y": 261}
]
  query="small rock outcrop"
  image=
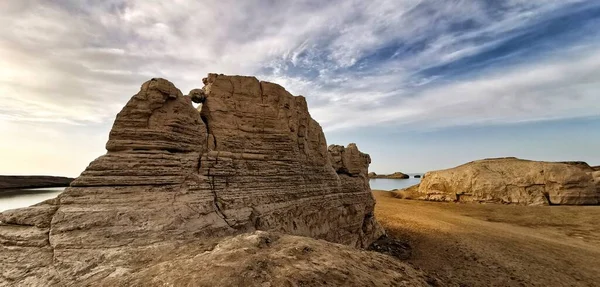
[
  {"x": 398, "y": 175},
  {"x": 174, "y": 177},
  {"x": 10, "y": 182},
  {"x": 349, "y": 160},
  {"x": 395, "y": 175},
  {"x": 512, "y": 180}
]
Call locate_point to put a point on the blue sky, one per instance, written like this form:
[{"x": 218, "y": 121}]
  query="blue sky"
[{"x": 418, "y": 84}]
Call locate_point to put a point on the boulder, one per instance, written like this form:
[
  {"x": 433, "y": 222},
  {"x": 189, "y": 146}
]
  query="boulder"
[
  {"x": 174, "y": 179},
  {"x": 197, "y": 96},
  {"x": 512, "y": 180},
  {"x": 417, "y": 176}
]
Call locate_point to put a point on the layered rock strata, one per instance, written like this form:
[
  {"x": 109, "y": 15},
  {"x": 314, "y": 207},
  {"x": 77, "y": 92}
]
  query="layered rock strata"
[
  {"x": 252, "y": 159},
  {"x": 512, "y": 180}
]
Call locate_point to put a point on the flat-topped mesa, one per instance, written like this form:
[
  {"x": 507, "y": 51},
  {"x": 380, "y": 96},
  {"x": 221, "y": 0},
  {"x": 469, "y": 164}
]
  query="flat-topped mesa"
[
  {"x": 252, "y": 159},
  {"x": 513, "y": 180}
]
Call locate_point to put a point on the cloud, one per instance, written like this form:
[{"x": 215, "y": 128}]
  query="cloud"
[{"x": 435, "y": 63}]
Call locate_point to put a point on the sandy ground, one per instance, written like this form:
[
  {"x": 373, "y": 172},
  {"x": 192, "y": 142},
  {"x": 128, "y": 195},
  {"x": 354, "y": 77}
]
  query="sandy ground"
[{"x": 497, "y": 245}]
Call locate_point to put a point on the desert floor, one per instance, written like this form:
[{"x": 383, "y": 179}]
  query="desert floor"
[{"x": 496, "y": 245}]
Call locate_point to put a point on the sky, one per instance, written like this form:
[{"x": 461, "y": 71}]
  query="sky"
[{"x": 418, "y": 84}]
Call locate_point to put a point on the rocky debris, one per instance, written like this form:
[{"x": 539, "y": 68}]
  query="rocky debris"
[
  {"x": 391, "y": 247},
  {"x": 395, "y": 175},
  {"x": 270, "y": 259},
  {"x": 252, "y": 159},
  {"x": 32, "y": 181},
  {"x": 512, "y": 180}
]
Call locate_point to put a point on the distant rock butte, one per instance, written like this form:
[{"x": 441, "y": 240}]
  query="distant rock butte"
[
  {"x": 512, "y": 180},
  {"x": 175, "y": 180},
  {"x": 395, "y": 175},
  {"x": 32, "y": 181}
]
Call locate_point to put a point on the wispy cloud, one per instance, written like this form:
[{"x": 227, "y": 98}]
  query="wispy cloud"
[{"x": 359, "y": 63}]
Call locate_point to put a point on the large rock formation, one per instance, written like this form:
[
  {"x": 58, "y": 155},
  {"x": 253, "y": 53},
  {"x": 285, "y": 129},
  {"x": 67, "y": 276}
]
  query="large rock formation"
[
  {"x": 172, "y": 178},
  {"x": 512, "y": 180}
]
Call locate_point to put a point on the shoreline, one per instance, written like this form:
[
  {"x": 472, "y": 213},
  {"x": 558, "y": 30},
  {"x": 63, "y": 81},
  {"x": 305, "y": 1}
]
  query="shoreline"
[
  {"x": 23, "y": 191},
  {"x": 21, "y": 182}
]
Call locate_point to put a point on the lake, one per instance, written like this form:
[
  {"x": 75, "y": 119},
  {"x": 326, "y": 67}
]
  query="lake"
[
  {"x": 27, "y": 197},
  {"x": 389, "y": 184}
]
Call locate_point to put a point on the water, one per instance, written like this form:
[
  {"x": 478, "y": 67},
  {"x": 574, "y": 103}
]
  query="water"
[
  {"x": 27, "y": 197},
  {"x": 389, "y": 184}
]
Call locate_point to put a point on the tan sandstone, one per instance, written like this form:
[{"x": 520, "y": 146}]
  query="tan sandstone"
[
  {"x": 512, "y": 180},
  {"x": 268, "y": 259},
  {"x": 175, "y": 179}
]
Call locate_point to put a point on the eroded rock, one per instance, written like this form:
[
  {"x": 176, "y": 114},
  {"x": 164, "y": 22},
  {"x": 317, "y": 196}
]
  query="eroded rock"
[
  {"x": 269, "y": 259},
  {"x": 512, "y": 180},
  {"x": 252, "y": 159}
]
